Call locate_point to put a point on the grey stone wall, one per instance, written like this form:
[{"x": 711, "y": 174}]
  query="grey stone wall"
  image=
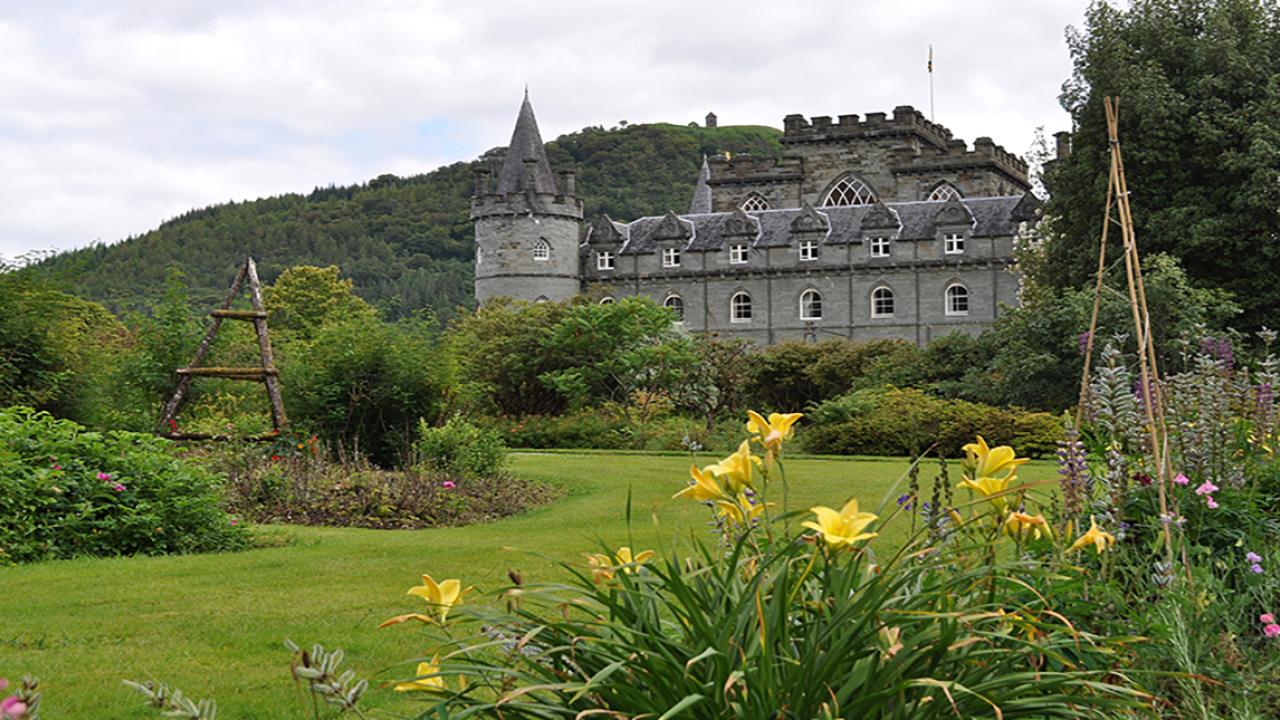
[{"x": 508, "y": 228}]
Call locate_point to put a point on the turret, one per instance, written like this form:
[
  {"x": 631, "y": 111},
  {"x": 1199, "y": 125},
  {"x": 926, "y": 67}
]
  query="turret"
[{"x": 526, "y": 231}]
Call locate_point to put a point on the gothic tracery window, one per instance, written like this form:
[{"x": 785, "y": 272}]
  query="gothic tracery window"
[
  {"x": 943, "y": 192},
  {"x": 754, "y": 203},
  {"x": 849, "y": 191},
  {"x": 542, "y": 250}
]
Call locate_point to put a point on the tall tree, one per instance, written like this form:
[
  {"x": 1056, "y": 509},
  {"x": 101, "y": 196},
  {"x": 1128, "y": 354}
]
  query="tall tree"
[{"x": 1200, "y": 125}]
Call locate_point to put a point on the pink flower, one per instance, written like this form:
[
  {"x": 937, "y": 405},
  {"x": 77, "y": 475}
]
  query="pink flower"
[
  {"x": 4, "y": 683},
  {"x": 1206, "y": 488},
  {"x": 235, "y": 521},
  {"x": 1266, "y": 618},
  {"x": 448, "y": 484},
  {"x": 12, "y": 707},
  {"x": 104, "y": 476},
  {"x": 1181, "y": 479},
  {"x": 1211, "y": 503},
  {"x": 57, "y": 466},
  {"x": 1252, "y": 557},
  {"x": 1271, "y": 630},
  {"x": 1257, "y": 569},
  {"x": 117, "y": 487}
]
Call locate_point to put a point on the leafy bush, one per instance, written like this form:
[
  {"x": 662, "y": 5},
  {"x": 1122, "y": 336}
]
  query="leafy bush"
[
  {"x": 907, "y": 422},
  {"x": 67, "y": 492},
  {"x": 460, "y": 448}
]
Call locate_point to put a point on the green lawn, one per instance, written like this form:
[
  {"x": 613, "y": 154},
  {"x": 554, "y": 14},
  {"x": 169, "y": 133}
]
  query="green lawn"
[{"x": 214, "y": 624}]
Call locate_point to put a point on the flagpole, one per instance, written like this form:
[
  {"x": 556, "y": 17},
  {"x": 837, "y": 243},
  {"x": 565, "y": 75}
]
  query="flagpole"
[{"x": 931, "y": 84}]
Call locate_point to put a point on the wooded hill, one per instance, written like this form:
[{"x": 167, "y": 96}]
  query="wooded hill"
[{"x": 406, "y": 242}]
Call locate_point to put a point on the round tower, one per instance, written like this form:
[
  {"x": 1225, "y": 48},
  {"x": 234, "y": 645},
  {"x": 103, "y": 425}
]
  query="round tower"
[{"x": 527, "y": 230}]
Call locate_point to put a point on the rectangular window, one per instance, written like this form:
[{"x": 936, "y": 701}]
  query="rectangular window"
[
  {"x": 604, "y": 261},
  {"x": 671, "y": 257},
  {"x": 808, "y": 250},
  {"x": 953, "y": 243},
  {"x": 879, "y": 247},
  {"x": 737, "y": 254}
]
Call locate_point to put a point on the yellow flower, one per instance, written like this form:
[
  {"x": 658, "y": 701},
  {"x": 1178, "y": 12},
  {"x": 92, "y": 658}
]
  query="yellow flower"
[
  {"x": 441, "y": 596},
  {"x": 1022, "y": 526},
  {"x": 735, "y": 470},
  {"x": 1095, "y": 536},
  {"x": 424, "y": 683},
  {"x": 988, "y": 462},
  {"x": 603, "y": 567},
  {"x": 704, "y": 487},
  {"x": 844, "y": 527},
  {"x": 991, "y": 489},
  {"x": 740, "y": 512},
  {"x": 773, "y": 431}
]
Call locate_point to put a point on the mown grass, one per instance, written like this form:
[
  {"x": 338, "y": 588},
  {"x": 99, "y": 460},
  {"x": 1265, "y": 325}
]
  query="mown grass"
[{"x": 214, "y": 624}]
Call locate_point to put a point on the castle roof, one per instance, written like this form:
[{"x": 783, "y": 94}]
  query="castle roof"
[
  {"x": 702, "y": 192},
  {"x": 526, "y": 144},
  {"x": 916, "y": 220}
]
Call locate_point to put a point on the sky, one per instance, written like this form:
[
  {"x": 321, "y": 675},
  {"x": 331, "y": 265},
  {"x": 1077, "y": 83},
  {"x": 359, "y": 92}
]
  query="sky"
[{"x": 117, "y": 116}]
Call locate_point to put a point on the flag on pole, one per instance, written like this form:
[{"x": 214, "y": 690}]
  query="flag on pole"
[{"x": 930, "y": 58}]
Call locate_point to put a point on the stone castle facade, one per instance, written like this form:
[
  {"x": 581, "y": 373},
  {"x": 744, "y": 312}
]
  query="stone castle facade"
[{"x": 879, "y": 227}]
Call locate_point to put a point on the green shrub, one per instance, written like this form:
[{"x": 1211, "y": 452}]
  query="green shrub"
[
  {"x": 907, "y": 422},
  {"x": 460, "y": 448},
  {"x": 67, "y": 492}
]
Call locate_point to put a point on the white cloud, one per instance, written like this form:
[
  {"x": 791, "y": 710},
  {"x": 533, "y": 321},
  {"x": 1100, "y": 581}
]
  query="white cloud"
[{"x": 116, "y": 116}]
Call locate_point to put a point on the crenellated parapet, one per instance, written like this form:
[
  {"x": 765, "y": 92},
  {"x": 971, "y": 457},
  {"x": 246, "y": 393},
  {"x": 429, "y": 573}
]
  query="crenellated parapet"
[{"x": 905, "y": 120}]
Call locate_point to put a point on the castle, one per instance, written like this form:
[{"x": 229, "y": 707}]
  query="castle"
[{"x": 881, "y": 227}]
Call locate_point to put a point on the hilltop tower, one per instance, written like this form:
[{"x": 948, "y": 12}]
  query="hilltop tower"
[{"x": 527, "y": 230}]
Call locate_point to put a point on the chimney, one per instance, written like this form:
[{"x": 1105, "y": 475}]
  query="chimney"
[
  {"x": 482, "y": 182},
  {"x": 1063, "y": 139},
  {"x": 711, "y": 119},
  {"x": 568, "y": 183}
]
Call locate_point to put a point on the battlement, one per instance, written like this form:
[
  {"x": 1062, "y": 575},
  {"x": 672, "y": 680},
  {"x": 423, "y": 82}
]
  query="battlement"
[
  {"x": 747, "y": 168},
  {"x": 532, "y": 204},
  {"x": 905, "y": 120}
]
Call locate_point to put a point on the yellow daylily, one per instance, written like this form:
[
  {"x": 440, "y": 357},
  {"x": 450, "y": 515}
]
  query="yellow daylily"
[
  {"x": 424, "y": 683},
  {"x": 1023, "y": 526},
  {"x": 772, "y": 432},
  {"x": 991, "y": 489},
  {"x": 740, "y": 512},
  {"x": 1095, "y": 536},
  {"x": 705, "y": 488},
  {"x": 441, "y": 596},
  {"x": 603, "y": 567},
  {"x": 736, "y": 470},
  {"x": 982, "y": 461},
  {"x": 844, "y": 527}
]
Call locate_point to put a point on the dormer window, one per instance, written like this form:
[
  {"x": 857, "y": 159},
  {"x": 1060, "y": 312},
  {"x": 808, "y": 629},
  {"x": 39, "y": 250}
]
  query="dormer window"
[
  {"x": 754, "y": 203},
  {"x": 953, "y": 243},
  {"x": 670, "y": 257},
  {"x": 542, "y": 250},
  {"x": 604, "y": 260},
  {"x": 944, "y": 192},
  {"x": 808, "y": 250},
  {"x": 880, "y": 247},
  {"x": 738, "y": 254}
]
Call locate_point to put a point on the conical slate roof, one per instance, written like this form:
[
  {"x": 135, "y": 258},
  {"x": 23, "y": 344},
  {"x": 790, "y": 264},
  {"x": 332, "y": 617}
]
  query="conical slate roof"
[
  {"x": 702, "y": 192},
  {"x": 526, "y": 142}
]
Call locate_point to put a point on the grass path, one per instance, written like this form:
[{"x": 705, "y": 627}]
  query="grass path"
[{"x": 213, "y": 624}]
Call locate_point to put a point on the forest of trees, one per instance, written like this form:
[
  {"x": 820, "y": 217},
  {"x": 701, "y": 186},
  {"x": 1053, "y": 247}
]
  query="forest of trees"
[{"x": 406, "y": 242}]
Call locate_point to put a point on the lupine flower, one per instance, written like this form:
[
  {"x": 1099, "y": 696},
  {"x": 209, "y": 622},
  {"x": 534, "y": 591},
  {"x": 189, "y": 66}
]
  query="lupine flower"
[
  {"x": 1206, "y": 488},
  {"x": 424, "y": 683},
  {"x": 1095, "y": 536},
  {"x": 1252, "y": 557},
  {"x": 842, "y": 528},
  {"x": 904, "y": 501},
  {"x": 1181, "y": 479},
  {"x": 1073, "y": 472}
]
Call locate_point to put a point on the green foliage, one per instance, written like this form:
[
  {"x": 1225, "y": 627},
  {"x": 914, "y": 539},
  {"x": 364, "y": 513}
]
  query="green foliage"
[
  {"x": 796, "y": 375},
  {"x": 365, "y": 384},
  {"x": 67, "y": 492},
  {"x": 501, "y": 357},
  {"x": 1200, "y": 125},
  {"x": 305, "y": 298},
  {"x": 406, "y": 242},
  {"x": 460, "y": 448},
  {"x": 908, "y": 422}
]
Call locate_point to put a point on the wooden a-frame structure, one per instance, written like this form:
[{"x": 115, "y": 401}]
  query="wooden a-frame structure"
[{"x": 267, "y": 374}]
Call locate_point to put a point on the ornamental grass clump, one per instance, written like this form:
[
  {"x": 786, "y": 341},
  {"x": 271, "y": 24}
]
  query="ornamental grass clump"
[{"x": 777, "y": 619}]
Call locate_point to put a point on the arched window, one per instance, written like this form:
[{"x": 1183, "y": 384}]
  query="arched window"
[
  {"x": 849, "y": 191},
  {"x": 740, "y": 307},
  {"x": 542, "y": 250},
  {"x": 957, "y": 299},
  {"x": 676, "y": 305},
  {"x": 810, "y": 305},
  {"x": 606, "y": 300},
  {"x": 881, "y": 302},
  {"x": 944, "y": 192},
  {"x": 541, "y": 299},
  {"x": 755, "y": 203}
]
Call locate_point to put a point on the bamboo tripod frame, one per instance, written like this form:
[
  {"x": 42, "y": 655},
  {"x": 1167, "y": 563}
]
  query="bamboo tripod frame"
[
  {"x": 266, "y": 373},
  {"x": 1153, "y": 405}
]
